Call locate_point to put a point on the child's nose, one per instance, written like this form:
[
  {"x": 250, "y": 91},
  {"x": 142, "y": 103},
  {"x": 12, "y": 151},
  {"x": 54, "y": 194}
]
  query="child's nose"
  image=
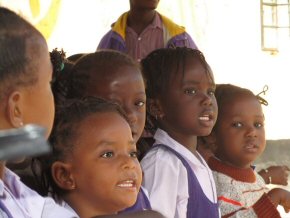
[
  {"x": 128, "y": 162},
  {"x": 206, "y": 99},
  {"x": 131, "y": 114},
  {"x": 251, "y": 131}
]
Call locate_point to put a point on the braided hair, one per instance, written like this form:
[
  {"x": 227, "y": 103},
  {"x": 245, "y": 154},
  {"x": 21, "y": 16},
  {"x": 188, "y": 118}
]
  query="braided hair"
[
  {"x": 61, "y": 72},
  {"x": 227, "y": 92},
  {"x": 160, "y": 67},
  {"x": 102, "y": 62}
]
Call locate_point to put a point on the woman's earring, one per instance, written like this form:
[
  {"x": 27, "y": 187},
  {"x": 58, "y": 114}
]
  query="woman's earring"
[{"x": 21, "y": 124}]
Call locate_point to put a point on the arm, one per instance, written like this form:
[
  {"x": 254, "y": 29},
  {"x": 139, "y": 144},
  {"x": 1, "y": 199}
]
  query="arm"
[{"x": 275, "y": 175}]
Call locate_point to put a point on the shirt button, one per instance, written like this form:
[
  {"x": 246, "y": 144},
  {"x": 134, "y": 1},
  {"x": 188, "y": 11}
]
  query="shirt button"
[{"x": 139, "y": 38}]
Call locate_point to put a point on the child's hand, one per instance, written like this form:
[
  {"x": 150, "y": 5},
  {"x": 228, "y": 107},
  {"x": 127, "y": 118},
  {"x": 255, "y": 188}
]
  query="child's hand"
[
  {"x": 276, "y": 175},
  {"x": 281, "y": 197}
]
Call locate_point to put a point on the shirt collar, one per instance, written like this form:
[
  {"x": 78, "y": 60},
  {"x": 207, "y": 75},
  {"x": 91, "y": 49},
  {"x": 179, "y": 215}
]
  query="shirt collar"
[
  {"x": 243, "y": 175},
  {"x": 162, "y": 137},
  {"x": 10, "y": 180}
]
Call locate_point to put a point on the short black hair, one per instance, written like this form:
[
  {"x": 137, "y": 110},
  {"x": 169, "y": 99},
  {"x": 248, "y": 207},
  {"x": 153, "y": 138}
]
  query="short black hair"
[
  {"x": 19, "y": 49},
  {"x": 102, "y": 62}
]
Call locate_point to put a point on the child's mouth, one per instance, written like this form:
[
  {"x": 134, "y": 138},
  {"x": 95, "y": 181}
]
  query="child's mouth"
[{"x": 127, "y": 184}]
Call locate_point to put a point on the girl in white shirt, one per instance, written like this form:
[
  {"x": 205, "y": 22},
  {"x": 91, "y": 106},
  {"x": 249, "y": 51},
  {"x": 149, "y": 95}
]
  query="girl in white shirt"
[{"x": 181, "y": 106}]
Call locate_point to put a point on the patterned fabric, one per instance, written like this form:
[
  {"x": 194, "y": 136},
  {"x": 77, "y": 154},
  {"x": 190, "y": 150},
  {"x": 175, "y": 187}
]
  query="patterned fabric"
[{"x": 241, "y": 192}]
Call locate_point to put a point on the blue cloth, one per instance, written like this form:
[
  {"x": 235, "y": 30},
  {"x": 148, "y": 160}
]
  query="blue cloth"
[
  {"x": 199, "y": 206},
  {"x": 142, "y": 203}
]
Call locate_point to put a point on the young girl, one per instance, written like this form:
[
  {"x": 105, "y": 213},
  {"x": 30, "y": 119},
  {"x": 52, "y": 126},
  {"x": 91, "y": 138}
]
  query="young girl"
[
  {"x": 181, "y": 103},
  {"x": 239, "y": 138},
  {"x": 25, "y": 97},
  {"x": 116, "y": 77},
  {"x": 94, "y": 165}
]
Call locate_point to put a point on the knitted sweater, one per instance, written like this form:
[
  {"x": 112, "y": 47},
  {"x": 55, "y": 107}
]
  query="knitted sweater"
[{"x": 242, "y": 193}]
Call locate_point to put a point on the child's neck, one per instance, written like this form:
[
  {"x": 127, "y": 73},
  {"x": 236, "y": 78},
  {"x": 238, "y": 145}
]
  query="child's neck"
[
  {"x": 139, "y": 20},
  {"x": 85, "y": 209},
  {"x": 189, "y": 142}
]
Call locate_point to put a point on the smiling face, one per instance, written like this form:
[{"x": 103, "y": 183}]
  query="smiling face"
[
  {"x": 239, "y": 132},
  {"x": 104, "y": 164},
  {"x": 124, "y": 86},
  {"x": 189, "y": 106}
]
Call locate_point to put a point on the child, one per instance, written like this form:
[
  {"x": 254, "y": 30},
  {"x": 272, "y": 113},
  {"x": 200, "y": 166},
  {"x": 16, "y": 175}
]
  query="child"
[
  {"x": 116, "y": 77},
  {"x": 94, "y": 166},
  {"x": 239, "y": 137},
  {"x": 181, "y": 102},
  {"x": 142, "y": 30},
  {"x": 25, "y": 97}
]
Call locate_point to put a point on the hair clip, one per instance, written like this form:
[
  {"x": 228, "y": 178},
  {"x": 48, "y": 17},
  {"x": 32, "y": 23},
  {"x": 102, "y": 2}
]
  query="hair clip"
[
  {"x": 61, "y": 66},
  {"x": 262, "y": 100}
]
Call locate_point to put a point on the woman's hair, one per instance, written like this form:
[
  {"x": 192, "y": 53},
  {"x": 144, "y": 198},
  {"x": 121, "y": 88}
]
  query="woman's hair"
[
  {"x": 103, "y": 62},
  {"x": 161, "y": 66},
  {"x": 63, "y": 135},
  {"x": 20, "y": 47},
  {"x": 225, "y": 93}
]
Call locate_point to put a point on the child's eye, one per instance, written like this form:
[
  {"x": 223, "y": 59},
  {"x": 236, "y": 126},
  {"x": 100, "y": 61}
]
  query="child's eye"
[
  {"x": 237, "y": 124},
  {"x": 140, "y": 103},
  {"x": 211, "y": 92},
  {"x": 134, "y": 154},
  {"x": 107, "y": 154},
  {"x": 258, "y": 125},
  {"x": 190, "y": 91}
]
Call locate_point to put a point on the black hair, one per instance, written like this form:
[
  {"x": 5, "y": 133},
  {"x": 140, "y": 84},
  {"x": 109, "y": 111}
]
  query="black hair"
[
  {"x": 65, "y": 130},
  {"x": 61, "y": 72},
  {"x": 160, "y": 67},
  {"x": 75, "y": 57},
  {"x": 227, "y": 92},
  {"x": 102, "y": 62},
  {"x": 20, "y": 47}
]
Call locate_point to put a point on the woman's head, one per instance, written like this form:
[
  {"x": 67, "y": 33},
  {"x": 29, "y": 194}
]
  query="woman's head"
[
  {"x": 94, "y": 164},
  {"x": 25, "y": 74},
  {"x": 239, "y": 133},
  {"x": 113, "y": 76},
  {"x": 180, "y": 90}
]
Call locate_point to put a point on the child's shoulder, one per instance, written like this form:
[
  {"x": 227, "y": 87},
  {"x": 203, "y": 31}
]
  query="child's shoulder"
[{"x": 161, "y": 156}]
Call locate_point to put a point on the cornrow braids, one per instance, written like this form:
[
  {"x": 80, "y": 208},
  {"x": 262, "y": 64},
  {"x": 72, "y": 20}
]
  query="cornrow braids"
[
  {"x": 161, "y": 66},
  {"x": 102, "y": 62},
  {"x": 20, "y": 47},
  {"x": 65, "y": 130}
]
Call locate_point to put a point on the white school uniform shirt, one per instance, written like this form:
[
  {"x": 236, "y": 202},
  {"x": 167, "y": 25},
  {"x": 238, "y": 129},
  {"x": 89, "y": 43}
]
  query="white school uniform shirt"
[
  {"x": 165, "y": 176},
  {"x": 17, "y": 200}
]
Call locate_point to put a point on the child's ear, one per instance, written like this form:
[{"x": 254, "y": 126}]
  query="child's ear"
[
  {"x": 62, "y": 175},
  {"x": 154, "y": 108},
  {"x": 15, "y": 109}
]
